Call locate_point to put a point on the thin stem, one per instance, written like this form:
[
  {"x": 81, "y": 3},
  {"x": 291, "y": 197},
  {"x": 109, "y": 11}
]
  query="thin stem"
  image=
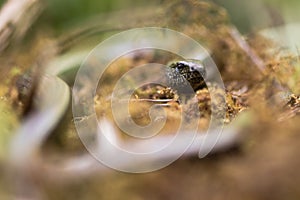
[
  {"x": 16, "y": 17},
  {"x": 236, "y": 35}
]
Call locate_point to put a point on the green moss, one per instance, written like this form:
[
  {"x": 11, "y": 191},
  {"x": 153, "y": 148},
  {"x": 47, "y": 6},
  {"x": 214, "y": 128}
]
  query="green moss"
[{"x": 8, "y": 124}]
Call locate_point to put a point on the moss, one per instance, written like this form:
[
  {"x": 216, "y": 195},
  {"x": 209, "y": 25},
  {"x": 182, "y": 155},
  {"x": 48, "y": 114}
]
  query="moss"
[{"x": 8, "y": 124}]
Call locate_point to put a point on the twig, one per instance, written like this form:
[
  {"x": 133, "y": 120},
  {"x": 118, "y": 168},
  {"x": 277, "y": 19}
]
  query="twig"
[
  {"x": 235, "y": 34},
  {"x": 16, "y": 17}
]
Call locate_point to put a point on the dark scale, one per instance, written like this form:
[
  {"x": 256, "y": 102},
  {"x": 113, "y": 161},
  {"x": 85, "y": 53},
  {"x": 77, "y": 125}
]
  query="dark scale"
[{"x": 180, "y": 74}]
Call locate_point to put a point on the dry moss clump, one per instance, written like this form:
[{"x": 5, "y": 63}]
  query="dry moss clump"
[{"x": 246, "y": 84}]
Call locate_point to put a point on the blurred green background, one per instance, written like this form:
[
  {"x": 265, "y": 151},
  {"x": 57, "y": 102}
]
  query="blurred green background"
[
  {"x": 257, "y": 14},
  {"x": 61, "y": 14},
  {"x": 247, "y": 15}
]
